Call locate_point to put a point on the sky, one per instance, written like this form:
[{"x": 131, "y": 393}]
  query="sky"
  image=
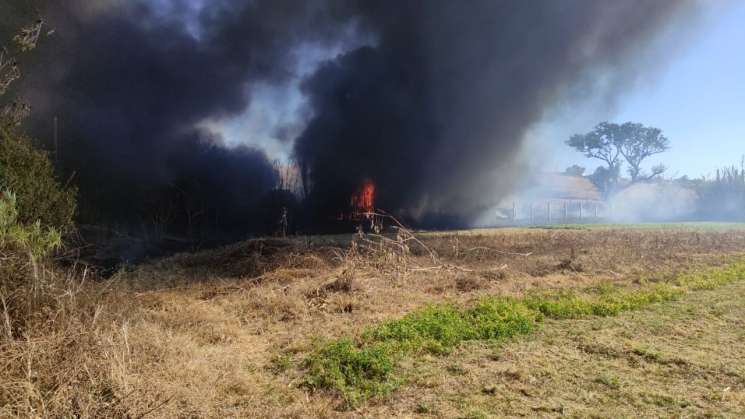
[{"x": 698, "y": 100}]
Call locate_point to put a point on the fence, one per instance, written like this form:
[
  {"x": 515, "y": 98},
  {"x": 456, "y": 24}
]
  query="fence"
[{"x": 554, "y": 212}]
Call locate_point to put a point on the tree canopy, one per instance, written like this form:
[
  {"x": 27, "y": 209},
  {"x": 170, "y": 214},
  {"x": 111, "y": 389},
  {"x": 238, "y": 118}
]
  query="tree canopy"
[
  {"x": 615, "y": 144},
  {"x": 639, "y": 143}
]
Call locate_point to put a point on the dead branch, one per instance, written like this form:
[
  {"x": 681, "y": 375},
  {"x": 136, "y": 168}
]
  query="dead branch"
[{"x": 499, "y": 251}]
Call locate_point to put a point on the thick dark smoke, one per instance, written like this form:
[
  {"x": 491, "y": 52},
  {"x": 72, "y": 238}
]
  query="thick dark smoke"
[
  {"x": 436, "y": 111},
  {"x": 432, "y": 107},
  {"x": 130, "y": 84}
]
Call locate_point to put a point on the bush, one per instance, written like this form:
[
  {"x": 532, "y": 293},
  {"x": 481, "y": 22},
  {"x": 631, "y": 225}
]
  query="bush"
[
  {"x": 28, "y": 172},
  {"x": 32, "y": 239},
  {"x": 21, "y": 278}
]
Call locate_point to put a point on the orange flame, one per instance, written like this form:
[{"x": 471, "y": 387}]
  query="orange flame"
[{"x": 363, "y": 201}]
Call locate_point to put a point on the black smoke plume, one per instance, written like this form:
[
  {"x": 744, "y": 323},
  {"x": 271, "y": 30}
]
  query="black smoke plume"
[
  {"x": 432, "y": 103},
  {"x": 131, "y": 83},
  {"x": 435, "y": 112}
]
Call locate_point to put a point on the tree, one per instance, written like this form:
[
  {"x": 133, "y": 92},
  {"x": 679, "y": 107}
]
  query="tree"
[
  {"x": 575, "y": 170},
  {"x": 26, "y": 40},
  {"x": 633, "y": 142},
  {"x": 639, "y": 143},
  {"x": 602, "y": 143},
  {"x": 604, "y": 179},
  {"x": 24, "y": 169}
]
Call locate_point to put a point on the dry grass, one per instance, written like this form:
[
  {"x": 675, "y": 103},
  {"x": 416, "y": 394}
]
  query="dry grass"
[
  {"x": 681, "y": 359},
  {"x": 218, "y": 333}
]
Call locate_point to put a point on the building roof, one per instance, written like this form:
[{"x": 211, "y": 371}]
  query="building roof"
[{"x": 561, "y": 186}]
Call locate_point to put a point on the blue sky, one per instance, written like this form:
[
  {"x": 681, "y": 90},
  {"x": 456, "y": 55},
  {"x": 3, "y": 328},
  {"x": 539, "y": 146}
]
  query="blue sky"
[{"x": 698, "y": 100}]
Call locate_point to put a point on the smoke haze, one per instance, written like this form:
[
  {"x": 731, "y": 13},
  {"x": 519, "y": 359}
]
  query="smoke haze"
[{"x": 430, "y": 100}]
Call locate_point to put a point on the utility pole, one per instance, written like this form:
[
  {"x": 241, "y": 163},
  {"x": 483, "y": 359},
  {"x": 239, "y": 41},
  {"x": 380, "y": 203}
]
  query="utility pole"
[
  {"x": 566, "y": 212},
  {"x": 532, "y": 216},
  {"x": 56, "y": 141},
  {"x": 514, "y": 212}
]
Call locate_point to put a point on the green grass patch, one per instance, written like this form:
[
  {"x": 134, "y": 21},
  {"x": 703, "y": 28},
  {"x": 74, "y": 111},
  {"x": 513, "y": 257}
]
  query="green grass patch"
[
  {"x": 365, "y": 367},
  {"x": 711, "y": 278},
  {"x": 609, "y": 302}
]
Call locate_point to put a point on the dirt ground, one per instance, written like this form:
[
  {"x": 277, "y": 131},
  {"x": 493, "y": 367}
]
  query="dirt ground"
[{"x": 214, "y": 334}]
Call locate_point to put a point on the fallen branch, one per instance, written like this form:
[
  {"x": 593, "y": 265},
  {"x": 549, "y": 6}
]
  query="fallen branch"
[{"x": 500, "y": 251}]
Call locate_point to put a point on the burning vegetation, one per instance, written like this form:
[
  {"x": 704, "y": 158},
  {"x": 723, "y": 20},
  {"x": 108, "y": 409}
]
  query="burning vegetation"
[
  {"x": 363, "y": 200},
  {"x": 363, "y": 211},
  {"x": 417, "y": 108}
]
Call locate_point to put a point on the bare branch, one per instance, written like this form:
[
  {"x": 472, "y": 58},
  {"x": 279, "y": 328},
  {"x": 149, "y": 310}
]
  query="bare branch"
[
  {"x": 9, "y": 71},
  {"x": 14, "y": 113},
  {"x": 29, "y": 36}
]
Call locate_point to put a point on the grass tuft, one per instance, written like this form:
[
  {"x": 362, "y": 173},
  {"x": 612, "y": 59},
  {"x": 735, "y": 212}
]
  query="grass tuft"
[{"x": 356, "y": 373}]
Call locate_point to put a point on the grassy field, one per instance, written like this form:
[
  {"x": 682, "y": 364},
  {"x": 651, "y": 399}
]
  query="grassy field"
[
  {"x": 508, "y": 322},
  {"x": 692, "y": 225},
  {"x": 675, "y": 359}
]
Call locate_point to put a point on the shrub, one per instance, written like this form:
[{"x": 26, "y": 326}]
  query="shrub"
[
  {"x": 21, "y": 278},
  {"x": 28, "y": 172},
  {"x": 32, "y": 239}
]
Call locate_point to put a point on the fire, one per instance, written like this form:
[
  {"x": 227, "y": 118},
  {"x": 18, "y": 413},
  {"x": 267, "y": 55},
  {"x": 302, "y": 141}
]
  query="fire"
[{"x": 363, "y": 200}]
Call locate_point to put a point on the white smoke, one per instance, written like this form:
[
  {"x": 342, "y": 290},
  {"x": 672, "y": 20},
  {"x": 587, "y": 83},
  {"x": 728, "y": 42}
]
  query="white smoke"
[{"x": 653, "y": 202}]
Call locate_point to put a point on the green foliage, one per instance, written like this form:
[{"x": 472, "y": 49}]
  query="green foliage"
[
  {"x": 713, "y": 277},
  {"x": 603, "y": 143},
  {"x": 365, "y": 367},
  {"x": 356, "y": 373},
  {"x": 640, "y": 143},
  {"x": 438, "y": 329},
  {"x": 723, "y": 197},
  {"x": 33, "y": 239},
  {"x": 28, "y": 172},
  {"x": 610, "y": 302},
  {"x": 610, "y": 142}
]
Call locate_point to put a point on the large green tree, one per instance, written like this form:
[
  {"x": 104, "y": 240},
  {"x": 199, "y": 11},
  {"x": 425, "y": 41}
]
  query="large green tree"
[{"x": 615, "y": 144}]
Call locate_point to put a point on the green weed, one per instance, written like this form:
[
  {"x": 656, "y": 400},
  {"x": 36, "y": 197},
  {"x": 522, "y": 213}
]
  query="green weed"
[
  {"x": 363, "y": 369},
  {"x": 711, "y": 278}
]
